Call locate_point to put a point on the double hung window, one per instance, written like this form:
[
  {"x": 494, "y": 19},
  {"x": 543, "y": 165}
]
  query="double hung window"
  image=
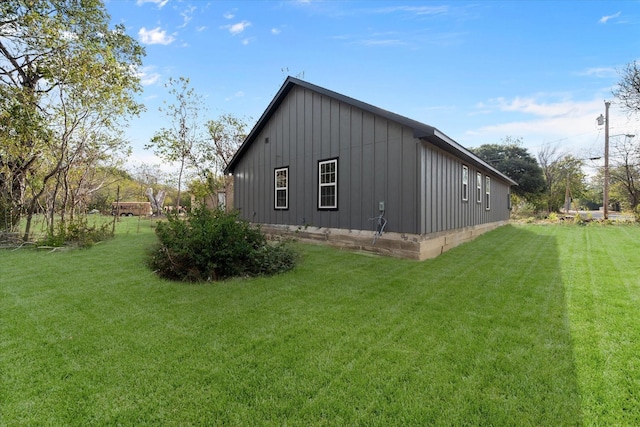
[
  {"x": 328, "y": 184},
  {"x": 487, "y": 193},
  {"x": 465, "y": 183},
  {"x": 282, "y": 188}
]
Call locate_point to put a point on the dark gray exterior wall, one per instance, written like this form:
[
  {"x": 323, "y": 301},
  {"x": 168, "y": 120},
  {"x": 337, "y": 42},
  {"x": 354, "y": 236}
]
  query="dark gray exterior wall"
[
  {"x": 379, "y": 160},
  {"x": 442, "y": 206}
]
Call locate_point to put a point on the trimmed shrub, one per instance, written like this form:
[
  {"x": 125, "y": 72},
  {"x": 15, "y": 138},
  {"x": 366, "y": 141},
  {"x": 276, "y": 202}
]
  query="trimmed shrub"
[{"x": 214, "y": 245}]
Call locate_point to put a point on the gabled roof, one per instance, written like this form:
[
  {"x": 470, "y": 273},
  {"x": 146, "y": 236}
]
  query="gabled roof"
[{"x": 420, "y": 130}]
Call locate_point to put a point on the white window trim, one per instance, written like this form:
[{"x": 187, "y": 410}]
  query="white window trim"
[
  {"x": 478, "y": 187},
  {"x": 321, "y": 185},
  {"x": 465, "y": 183},
  {"x": 285, "y": 188},
  {"x": 487, "y": 192}
]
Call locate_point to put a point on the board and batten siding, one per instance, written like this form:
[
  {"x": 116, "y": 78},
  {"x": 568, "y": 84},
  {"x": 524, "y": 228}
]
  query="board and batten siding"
[
  {"x": 377, "y": 162},
  {"x": 442, "y": 205}
]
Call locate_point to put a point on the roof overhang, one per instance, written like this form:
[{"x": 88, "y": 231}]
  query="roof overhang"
[{"x": 440, "y": 140}]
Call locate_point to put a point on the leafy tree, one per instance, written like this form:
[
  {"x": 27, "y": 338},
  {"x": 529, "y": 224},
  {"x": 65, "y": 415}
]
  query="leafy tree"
[
  {"x": 628, "y": 89},
  {"x": 591, "y": 198},
  {"x": 179, "y": 142},
  {"x": 227, "y": 133},
  {"x": 624, "y": 173},
  {"x": 67, "y": 82},
  {"x": 566, "y": 183},
  {"x": 515, "y": 162},
  {"x": 548, "y": 159}
]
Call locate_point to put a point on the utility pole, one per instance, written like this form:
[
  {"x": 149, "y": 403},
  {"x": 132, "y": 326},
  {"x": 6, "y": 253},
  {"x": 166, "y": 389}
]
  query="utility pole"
[{"x": 605, "y": 195}]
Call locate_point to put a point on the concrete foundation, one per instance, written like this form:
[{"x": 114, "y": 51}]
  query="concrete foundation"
[{"x": 400, "y": 245}]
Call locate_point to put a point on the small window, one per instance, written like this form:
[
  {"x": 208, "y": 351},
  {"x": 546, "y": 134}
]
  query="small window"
[
  {"x": 487, "y": 192},
  {"x": 465, "y": 183},
  {"x": 282, "y": 188},
  {"x": 328, "y": 184},
  {"x": 479, "y": 187}
]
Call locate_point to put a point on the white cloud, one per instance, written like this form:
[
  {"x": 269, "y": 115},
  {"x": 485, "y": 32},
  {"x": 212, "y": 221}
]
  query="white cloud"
[
  {"x": 416, "y": 10},
  {"x": 238, "y": 94},
  {"x": 229, "y": 15},
  {"x": 148, "y": 76},
  {"x": 600, "y": 72},
  {"x": 237, "y": 28},
  {"x": 187, "y": 15},
  {"x": 607, "y": 18},
  {"x": 276, "y": 31},
  {"x": 381, "y": 42},
  {"x": 532, "y": 106},
  {"x": 155, "y": 36},
  {"x": 160, "y": 3},
  {"x": 566, "y": 124},
  {"x": 201, "y": 28}
]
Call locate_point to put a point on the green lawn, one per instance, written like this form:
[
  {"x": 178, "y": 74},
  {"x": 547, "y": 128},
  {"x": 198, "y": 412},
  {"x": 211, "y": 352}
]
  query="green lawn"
[{"x": 527, "y": 325}]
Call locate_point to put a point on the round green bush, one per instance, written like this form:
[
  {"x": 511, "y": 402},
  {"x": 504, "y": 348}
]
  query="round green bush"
[{"x": 214, "y": 245}]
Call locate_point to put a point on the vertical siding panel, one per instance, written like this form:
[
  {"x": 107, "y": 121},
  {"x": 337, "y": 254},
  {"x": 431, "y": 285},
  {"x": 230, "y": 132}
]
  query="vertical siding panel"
[
  {"x": 437, "y": 202},
  {"x": 379, "y": 165},
  {"x": 367, "y": 168},
  {"x": 273, "y": 149},
  {"x": 345, "y": 186},
  {"x": 335, "y": 218},
  {"x": 434, "y": 193},
  {"x": 325, "y": 127},
  {"x": 425, "y": 188},
  {"x": 393, "y": 188},
  {"x": 412, "y": 173},
  {"x": 256, "y": 214},
  {"x": 454, "y": 192},
  {"x": 316, "y": 153},
  {"x": 422, "y": 187},
  {"x": 446, "y": 191},
  {"x": 298, "y": 176},
  {"x": 355, "y": 169},
  {"x": 290, "y": 154},
  {"x": 429, "y": 211},
  {"x": 444, "y": 188},
  {"x": 305, "y": 174},
  {"x": 334, "y": 128}
]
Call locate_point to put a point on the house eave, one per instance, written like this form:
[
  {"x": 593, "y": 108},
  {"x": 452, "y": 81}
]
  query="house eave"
[{"x": 439, "y": 139}]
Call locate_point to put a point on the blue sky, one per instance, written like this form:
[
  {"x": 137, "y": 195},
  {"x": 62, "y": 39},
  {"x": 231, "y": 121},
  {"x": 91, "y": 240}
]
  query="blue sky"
[{"x": 479, "y": 71}]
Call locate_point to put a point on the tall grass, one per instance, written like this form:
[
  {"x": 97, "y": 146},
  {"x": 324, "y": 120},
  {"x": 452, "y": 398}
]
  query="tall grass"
[{"x": 531, "y": 325}]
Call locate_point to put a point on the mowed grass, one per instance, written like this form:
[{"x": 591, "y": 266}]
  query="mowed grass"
[{"x": 527, "y": 325}]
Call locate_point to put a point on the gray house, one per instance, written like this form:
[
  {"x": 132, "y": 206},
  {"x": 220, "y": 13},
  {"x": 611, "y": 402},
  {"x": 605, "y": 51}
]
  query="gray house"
[{"x": 323, "y": 166}]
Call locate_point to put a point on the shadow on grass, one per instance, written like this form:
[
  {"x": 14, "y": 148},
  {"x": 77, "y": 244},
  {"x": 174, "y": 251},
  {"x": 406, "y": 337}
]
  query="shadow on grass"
[{"x": 492, "y": 329}]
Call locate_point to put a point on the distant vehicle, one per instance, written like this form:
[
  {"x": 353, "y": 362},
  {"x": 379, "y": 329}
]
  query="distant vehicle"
[{"x": 131, "y": 208}]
